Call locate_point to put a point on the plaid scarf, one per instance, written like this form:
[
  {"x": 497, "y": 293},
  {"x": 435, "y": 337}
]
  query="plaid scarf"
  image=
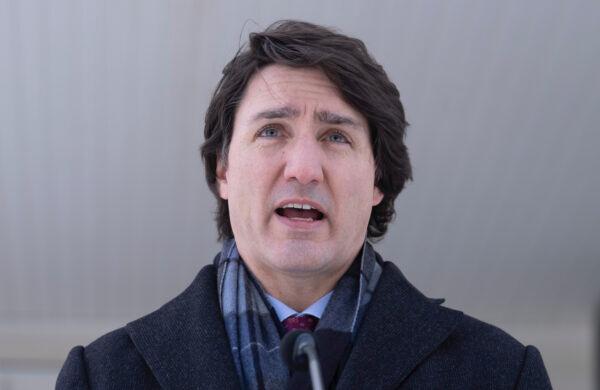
[{"x": 255, "y": 332}]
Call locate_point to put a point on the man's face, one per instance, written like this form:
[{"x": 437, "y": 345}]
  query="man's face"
[{"x": 300, "y": 174}]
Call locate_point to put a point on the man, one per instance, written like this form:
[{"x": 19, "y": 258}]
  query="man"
[{"x": 304, "y": 151}]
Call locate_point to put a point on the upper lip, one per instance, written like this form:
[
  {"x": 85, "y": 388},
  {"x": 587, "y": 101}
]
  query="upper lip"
[{"x": 311, "y": 203}]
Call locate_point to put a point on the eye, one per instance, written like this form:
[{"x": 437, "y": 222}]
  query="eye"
[
  {"x": 269, "y": 132},
  {"x": 337, "y": 138}
]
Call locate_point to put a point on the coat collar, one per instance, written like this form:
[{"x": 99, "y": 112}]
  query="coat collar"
[
  {"x": 400, "y": 329},
  {"x": 184, "y": 342}
]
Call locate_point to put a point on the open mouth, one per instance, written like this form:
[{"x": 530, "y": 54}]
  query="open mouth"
[{"x": 300, "y": 212}]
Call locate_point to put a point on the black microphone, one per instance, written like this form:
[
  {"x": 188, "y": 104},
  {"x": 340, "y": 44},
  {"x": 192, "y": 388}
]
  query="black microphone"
[{"x": 297, "y": 347}]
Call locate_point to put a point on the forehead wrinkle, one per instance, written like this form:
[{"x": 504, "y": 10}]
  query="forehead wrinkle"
[
  {"x": 270, "y": 91},
  {"x": 284, "y": 111}
]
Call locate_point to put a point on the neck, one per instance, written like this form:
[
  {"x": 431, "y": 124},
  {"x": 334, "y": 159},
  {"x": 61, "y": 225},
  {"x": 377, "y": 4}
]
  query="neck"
[{"x": 297, "y": 291}]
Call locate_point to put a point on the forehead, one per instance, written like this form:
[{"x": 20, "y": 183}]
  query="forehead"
[{"x": 303, "y": 89}]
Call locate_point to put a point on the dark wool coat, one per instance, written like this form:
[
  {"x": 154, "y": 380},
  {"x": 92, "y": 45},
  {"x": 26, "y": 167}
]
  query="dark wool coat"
[{"x": 406, "y": 341}]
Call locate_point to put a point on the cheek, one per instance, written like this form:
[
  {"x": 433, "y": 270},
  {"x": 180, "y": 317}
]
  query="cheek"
[
  {"x": 356, "y": 195},
  {"x": 242, "y": 173},
  {"x": 248, "y": 185}
]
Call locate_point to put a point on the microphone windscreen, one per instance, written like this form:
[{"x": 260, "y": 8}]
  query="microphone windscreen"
[{"x": 287, "y": 351}]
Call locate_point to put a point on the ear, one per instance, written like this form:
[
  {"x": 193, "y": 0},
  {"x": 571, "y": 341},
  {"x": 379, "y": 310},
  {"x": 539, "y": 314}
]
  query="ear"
[
  {"x": 222, "y": 179},
  {"x": 377, "y": 196}
]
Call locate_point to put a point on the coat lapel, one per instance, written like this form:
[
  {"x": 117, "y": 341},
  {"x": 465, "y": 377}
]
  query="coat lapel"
[
  {"x": 186, "y": 346},
  {"x": 184, "y": 342},
  {"x": 401, "y": 328}
]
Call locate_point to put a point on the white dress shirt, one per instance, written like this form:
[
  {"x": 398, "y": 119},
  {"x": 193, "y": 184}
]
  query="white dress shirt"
[{"x": 284, "y": 311}]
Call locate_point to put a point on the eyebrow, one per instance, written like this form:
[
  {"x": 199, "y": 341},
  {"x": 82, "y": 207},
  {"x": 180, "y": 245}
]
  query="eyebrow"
[
  {"x": 322, "y": 116},
  {"x": 277, "y": 113},
  {"x": 335, "y": 119}
]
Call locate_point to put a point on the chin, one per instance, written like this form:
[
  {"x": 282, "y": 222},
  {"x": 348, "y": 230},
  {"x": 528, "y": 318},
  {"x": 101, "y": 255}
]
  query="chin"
[
  {"x": 301, "y": 258},
  {"x": 302, "y": 266}
]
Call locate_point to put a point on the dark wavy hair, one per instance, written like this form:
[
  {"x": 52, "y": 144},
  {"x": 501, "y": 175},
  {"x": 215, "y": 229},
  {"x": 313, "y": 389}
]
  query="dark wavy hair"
[{"x": 362, "y": 82}]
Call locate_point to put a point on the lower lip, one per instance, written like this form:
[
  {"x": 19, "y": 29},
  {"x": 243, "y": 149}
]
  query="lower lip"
[{"x": 300, "y": 224}]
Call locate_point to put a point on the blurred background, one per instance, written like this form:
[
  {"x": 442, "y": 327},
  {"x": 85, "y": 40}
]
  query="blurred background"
[{"x": 104, "y": 210}]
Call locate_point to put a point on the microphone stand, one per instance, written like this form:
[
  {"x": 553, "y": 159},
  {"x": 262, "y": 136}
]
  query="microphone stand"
[{"x": 296, "y": 344}]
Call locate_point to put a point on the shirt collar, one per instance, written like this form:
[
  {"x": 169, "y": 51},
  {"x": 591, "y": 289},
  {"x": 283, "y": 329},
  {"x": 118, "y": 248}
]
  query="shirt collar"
[{"x": 283, "y": 311}]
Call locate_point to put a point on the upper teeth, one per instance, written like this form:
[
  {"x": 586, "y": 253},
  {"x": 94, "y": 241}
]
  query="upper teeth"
[{"x": 300, "y": 206}]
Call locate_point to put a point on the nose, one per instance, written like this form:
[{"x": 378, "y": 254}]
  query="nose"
[{"x": 303, "y": 161}]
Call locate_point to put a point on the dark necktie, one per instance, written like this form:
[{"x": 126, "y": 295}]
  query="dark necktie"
[{"x": 301, "y": 322}]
